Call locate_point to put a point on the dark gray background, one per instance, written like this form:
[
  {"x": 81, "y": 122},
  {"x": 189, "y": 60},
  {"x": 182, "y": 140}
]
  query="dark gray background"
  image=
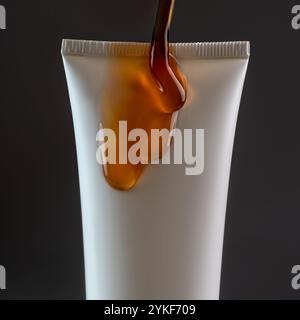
[{"x": 40, "y": 223}]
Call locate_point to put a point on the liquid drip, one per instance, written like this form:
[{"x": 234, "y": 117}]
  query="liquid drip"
[{"x": 145, "y": 92}]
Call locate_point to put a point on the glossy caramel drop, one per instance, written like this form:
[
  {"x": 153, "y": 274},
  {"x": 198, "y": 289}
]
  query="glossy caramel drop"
[{"x": 145, "y": 92}]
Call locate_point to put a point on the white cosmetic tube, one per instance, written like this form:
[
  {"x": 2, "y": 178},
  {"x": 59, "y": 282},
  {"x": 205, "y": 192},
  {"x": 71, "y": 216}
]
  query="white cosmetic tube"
[{"x": 163, "y": 239}]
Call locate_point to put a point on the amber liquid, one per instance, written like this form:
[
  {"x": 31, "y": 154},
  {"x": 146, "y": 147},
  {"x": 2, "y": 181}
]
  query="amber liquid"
[{"x": 145, "y": 93}]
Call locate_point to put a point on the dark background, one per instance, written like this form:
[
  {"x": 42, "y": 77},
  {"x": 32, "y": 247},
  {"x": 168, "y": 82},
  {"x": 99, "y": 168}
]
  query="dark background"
[{"x": 40, "y": 222}]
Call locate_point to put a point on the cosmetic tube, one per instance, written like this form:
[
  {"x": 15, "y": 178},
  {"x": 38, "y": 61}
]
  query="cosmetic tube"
[{"x": 163, "y": 239}]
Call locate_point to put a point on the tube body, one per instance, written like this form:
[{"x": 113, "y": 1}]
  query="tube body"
[{"x": 164, "y": 238}]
